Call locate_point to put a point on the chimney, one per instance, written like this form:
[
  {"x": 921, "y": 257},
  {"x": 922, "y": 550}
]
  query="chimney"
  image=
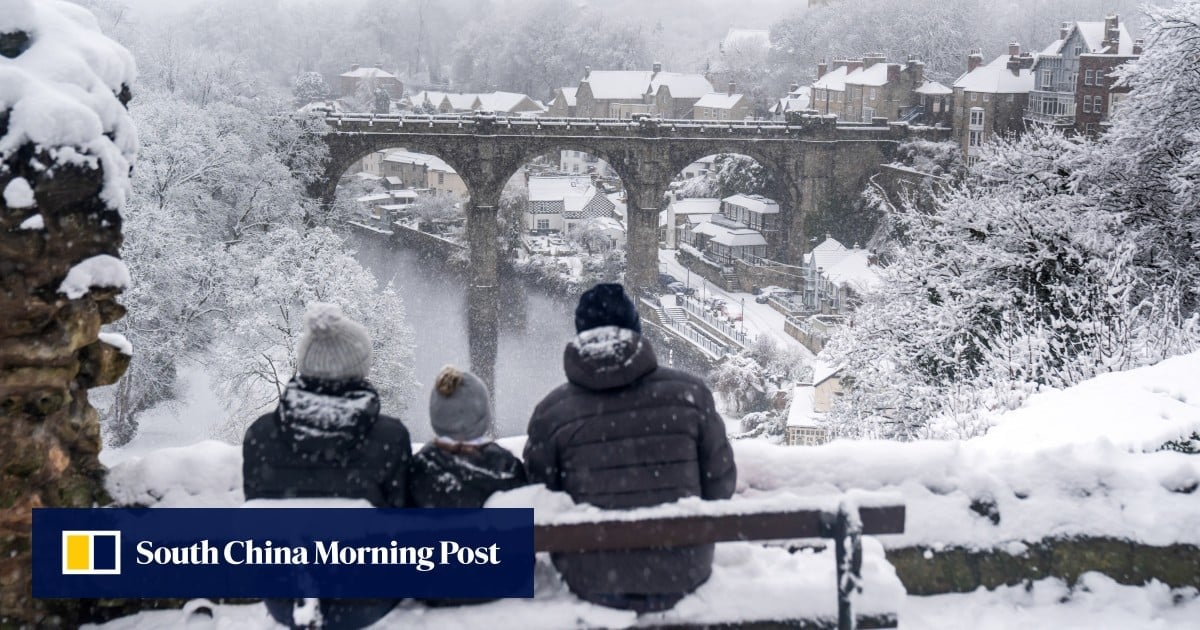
[
  {"x": 587, "y": 71},
  {"x": 353, "y": 67},
  {"x": 1014, "y": 49},
  {"x": 657, "y": 67},
  {"x": 853, "y": 64},
  {"x": 822, "y": 68},
  {"x": 893, "y": 73},
  {"x": 872, "y": 59},
  {"x": 732, "y": 88},
  {"x": 1137, "y": 46},
  {"x": 1064, "y": 29},
  {"x": 793, "y": 88},
  {"x": 974, "y": 60},
  {"x": 379, "y": 64},
  {"x": 1112, "y": 32}
]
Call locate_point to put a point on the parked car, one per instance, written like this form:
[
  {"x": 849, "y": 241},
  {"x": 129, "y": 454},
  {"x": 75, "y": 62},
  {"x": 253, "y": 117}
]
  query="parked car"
[
  {"x": 679, "y": 287},
  {"x": 666, "y": 280},
  {"x": 762, "y": 299}
]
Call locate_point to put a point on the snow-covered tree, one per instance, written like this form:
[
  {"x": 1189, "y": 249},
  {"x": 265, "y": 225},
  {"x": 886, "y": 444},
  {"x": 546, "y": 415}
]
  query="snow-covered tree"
[
  {"x": 1009, "y": 282},
  {"x": 731, "y": 174},
  {"x": 1148, "y": 168},
  {"x": 309, "y": 87}
]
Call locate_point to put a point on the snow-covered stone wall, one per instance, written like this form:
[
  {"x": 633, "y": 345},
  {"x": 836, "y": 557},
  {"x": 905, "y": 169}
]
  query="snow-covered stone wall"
[{"x": 66, "y": 146}]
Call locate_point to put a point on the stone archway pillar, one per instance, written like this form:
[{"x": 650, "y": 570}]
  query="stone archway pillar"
[
  {"x": 483, "y": 294},
  {"x": 641, "y": 247}
]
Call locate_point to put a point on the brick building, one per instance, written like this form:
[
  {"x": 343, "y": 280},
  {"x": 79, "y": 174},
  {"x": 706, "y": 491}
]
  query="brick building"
[
  {"x": 1067, "y": 93},
  {"x": 857, "y": 90},
  {"x": 622, "y": 93}
]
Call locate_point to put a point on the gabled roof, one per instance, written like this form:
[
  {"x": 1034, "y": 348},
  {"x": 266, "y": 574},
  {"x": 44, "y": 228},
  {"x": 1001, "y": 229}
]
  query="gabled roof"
[
  {"x": 719, "y": 100},
  {"x": 507, "y": 102},
  {"x": 829, "y": 252},
  {"x": 464, "y": 102},
  {"x": 682, "y": 85},
  {"x": 996, "y": 78},
  {"x": 430, "y": 162},
  {"x": 833, "y": 80},
  {"x": 1092, "y": 34},
  {"x": 823, "y": 371},
  {"x": 569, "y": 95},
  {"x": 634, "y": 84},
  {"x": 793, "y": 102},
  {"x": 753, "y": 203}
]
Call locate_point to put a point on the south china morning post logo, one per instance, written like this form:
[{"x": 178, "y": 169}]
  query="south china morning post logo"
[
  {"x": 91, "y": 552},
  {"x": 252, "y": 552}
]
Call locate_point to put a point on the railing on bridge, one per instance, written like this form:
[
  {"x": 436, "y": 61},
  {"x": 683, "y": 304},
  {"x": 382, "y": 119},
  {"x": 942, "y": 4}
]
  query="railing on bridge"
[{"x": 480, "y": 120}]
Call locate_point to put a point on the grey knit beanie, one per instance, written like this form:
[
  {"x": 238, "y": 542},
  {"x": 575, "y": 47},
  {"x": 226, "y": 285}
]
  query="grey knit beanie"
[
  {"x": 333, "y": 346},
  {"x": 458, "y": 406}
]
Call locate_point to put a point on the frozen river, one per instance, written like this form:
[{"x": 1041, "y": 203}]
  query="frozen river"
[{"x": 534, "y": 328}]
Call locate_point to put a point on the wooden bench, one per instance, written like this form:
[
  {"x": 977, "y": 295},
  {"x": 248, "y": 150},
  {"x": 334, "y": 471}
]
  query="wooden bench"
[{"x": 845, "y": 526}]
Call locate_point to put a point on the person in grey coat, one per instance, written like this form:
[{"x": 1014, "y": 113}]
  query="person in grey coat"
[{"x": 624, "y": 432}]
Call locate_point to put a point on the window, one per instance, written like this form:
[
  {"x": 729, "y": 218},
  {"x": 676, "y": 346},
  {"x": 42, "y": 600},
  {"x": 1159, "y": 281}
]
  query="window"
[
  {"x": 986, "y": 97},
  {"x": 1087, "y": 104},
  {"x": 1089, "y": 77},
  {"x": 1099, "y": 77},
  {"x": 1078, "y": 50},
  {"x": 976, "y": 117},
  {"x": 543, "y": 224},
  {"x": 1047, "y": 78},
  {"x": 974, "y": 97},
  {"x": 1098, "y": 104},
  {"x": 1091, "y": 128},
  {"x": 974, "y": 138},
  {"x": 441, "y": 178},
  {"x": 873, "y": 94}
]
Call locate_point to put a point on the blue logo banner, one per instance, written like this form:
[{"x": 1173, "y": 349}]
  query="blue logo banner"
[{"x": 284, "y": 552}]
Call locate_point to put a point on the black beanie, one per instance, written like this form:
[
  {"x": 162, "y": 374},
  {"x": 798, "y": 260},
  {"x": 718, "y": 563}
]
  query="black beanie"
[{"x": 606, "y": 305}]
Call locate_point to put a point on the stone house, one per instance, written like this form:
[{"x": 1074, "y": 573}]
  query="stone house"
[
  {"x": 451, "y": 102},
  {"x": 737, "y": 233},
  {"x": 623, "y": 93},
  {"x": 990, "y": 99},
  {"x": 422, "y": 171},
  {"x": 834, "y": 276},
  {"x": 1066, "y": 92},
  {"x": 728, "y": 105},
  {"x": 798, "y": 99},
  {"x": 350, "y": 82},
  {"x": 857, "y": 90},
  {"x": 558, "y": 204},
  {"x": 563, "y": 105},
  {"x": 681, "y": 213}
]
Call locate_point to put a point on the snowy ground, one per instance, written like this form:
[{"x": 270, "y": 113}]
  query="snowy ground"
[{"x": 760, "y": 319}]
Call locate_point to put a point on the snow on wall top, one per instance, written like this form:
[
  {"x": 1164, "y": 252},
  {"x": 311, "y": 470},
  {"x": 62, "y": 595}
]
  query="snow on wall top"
[{"x": 61, "y": 91}]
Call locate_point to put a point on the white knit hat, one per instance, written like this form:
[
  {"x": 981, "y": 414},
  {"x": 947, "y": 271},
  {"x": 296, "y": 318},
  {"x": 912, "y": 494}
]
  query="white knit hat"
[{"x": 333, "y": 346}]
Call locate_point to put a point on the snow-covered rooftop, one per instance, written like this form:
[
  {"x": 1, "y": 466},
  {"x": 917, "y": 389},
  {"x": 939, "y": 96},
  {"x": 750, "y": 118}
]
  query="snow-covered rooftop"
[
  {"x": 431, "y": 162},
  {"x": 833, "y": 80},
  {"x": 855, "y": 271},
  {"x": 793, "y": 102},
  {"x": 826, "y": 253},
  {"x": 753, "y": 203},
  {"x": 933, "y": 88},
  {"x": 720, "y": 100},
  {"x": 802, "y": 412},
  {"x": 696, "y": 205},
  {"x": 569, "y": 95},
  {"x": 875, "y": 76},
  {"x": 633, "y": 84},
  {"x": 375, "y": 73},
  {"x": 996, "y": 78},
  {"x": 1092, "y": 34},
  {"x": 730, "y": 236},
  {"x": 543, "y": 188}
]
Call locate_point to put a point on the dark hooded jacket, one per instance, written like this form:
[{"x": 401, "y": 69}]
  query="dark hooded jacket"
[
  {"x": 462, "y": 475},
  {"x": 327, "y": 439},
  {"x": 624, "y": 432}
]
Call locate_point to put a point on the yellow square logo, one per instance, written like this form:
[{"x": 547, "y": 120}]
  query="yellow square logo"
[{"x": 91, "y": 553}]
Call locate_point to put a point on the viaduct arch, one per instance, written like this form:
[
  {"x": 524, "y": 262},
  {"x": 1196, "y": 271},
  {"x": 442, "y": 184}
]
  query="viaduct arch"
[{"x": 817, "y": 162}]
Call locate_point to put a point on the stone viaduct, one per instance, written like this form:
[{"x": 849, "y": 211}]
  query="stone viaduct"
[{"x": 818, "y": 164}]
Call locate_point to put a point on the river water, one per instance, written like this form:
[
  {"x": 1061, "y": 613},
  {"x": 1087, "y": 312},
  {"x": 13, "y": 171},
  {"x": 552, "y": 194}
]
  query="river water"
[{"x": 534, "y": 329}]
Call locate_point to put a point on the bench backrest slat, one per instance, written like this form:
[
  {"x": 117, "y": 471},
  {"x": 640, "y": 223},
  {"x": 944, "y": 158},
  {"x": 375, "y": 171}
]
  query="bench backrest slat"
[{"x": 608, "y": 535}]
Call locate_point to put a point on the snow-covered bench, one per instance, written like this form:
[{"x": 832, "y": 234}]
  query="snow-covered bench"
[{"x": 730, "y": 521}]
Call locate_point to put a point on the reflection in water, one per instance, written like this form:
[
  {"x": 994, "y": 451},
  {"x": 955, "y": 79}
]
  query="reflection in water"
[{"x": 533, "y": 330}]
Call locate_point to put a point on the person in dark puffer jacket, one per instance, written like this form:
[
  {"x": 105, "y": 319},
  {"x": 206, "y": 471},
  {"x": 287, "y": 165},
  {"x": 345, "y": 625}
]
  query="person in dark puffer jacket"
[
  {"x": 462, "y": 467},
  {"x": 624, "y": 432},
  {"x": 327, "y": 438}
]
